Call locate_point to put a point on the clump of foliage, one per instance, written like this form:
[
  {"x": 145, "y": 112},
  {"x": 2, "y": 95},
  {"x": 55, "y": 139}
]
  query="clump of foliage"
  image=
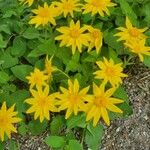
[{"x": 61, "y": 67}]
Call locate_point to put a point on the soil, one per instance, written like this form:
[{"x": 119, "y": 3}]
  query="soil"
[{"x": 132, "y": 133}]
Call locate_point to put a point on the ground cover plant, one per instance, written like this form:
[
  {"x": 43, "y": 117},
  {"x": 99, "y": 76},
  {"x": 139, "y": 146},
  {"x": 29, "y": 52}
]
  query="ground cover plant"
[{"x": 62, "y": 64}]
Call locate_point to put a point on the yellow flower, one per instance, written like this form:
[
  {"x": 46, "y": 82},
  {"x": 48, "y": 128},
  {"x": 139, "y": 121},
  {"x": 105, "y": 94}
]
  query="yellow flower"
[
  {"x": 7, "y": 119},
  {"x": 29, "y": 2},
  {"x": 44, "y": 15},
  {"x": 96, "y": 38},
  {"x": 42, "y": 103},
  {"x": 48, "y": 66},
  {"x": 100, "y": 102},
  {"x": 67, "y": 7},
  {"x": 37, "y": 78},
  {"x": 138, "y": 47},
  {"x": 72, "y": 98},
  {"x": 110, "y": 72},
  {"x": 98, "y": 6},
  {"x": 130, "y": 32},
  {"x": 73, "y": 36}
]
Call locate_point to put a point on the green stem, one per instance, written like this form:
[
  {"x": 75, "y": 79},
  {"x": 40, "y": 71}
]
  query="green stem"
[
  {"x": 63, "y": 73},
  {"x": 83, "y": 135},
  {"x": 93, "y": 19},
  {"x": 45, "y": 32}
]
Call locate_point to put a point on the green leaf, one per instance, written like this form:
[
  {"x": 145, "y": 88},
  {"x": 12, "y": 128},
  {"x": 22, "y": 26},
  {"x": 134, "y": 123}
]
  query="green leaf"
[
  {"x": 86, "y": 18},
  {"x": 146, "y": 10},
  {"x": 47, "y": 47},
  {"x": 5, "y": 28},
  {"x": 73, "y": 64},
  {"x": 64, "y": 54},
  {"x": 8, "y": 60},
  {"x": 121, "y": 93},
  {"x": 31, "y": 33},
  {"x": 128, "y": 11},
  {"x": 19, "y": 47},
  {"x": 89, "y": 57},
  {"x": 125, "y": 107},
  {"x": 18, "y": 98},
  {"x": 9, "y": 87},
  {"x": 22, "y": 129},
  {"x": 76, "y": 121},
  {"x": 57, "y": 124},
  {"x": 3, "y": 43},
  {"x": 147, "y": 61},
  {"x": 113, "y": 55},
  {"x": 55, "y": 141},
  {"x": 69, "y": 134},
  {"x": 111, "y": 40},
  {"x": 93, "y": 136},
  {"x": 21, "y": 71},
  {"x": 1, "y": 146},
  {"x": 74, "y": 145},
  {"x": 36, "y": 127},
  {"x": 4, "y": 77},
  {"x": 9, "y": 13},
  {"x": 12, "y": 145}
]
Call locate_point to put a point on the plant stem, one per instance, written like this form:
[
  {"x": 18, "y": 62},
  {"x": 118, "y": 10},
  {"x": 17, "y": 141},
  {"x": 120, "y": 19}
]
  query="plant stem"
[
  {"x": 83, "y": 135},
  {"x": 63, "y": 73}
]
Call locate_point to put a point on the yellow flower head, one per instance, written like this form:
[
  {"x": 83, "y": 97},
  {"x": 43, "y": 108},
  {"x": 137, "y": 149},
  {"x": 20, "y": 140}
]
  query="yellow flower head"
[
  {"x": 44, "y": 15},
  {"x": 96, "y": 38},
  {"x": 29, "y": 2},
  {"x": 7, "y": 119},
  {"x": 110, "y": 72},
  {"x": 73, "y": 36},
  {"x": 98, "y": 6},
  {"x": 72, "y": 98},
  {"x": 130, "y": 32},
  {"x": 67, "y": 7},
  {"x": 37, "y": 78},
  {"x": 42, "y": 103},
  {"x": 138, "y": 47},
  {"x": 48, "y": 66},
  {"x": 100, "y": 102}
]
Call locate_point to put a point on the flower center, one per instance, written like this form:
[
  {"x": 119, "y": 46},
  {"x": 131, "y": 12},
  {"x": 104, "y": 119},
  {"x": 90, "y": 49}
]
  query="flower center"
[
  {"x": 68, "y": 6},
  {"x": 73, "y": 98},
  {"x": 42, "y": 101},
  {"x": 110, "y": 71},
  {"x": 96, "y": 34},
  {"x": 37, "y": 79},
  {"x": 44, "y": 13},
  {"x": 134, "y": 32},
  {"x": 74, "y": 33},
  {"x": 100, "y": 101}
]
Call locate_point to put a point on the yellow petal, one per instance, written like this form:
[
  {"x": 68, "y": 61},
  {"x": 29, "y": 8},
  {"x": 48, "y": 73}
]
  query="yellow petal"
[
  {"x": 76, "y": 86},
  {"x": 128, "y": 23},
  {"x": 96, "y": 117},
  {"x": 90, "y": 114},
  {"x": 68, "y": 113},
  {"x": 113, "y": 108},
  {"x": 105, "y": 116}
]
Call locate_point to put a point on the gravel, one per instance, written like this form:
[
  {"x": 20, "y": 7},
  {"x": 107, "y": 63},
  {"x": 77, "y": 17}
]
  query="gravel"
[{"x": 132, "y": 133}]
